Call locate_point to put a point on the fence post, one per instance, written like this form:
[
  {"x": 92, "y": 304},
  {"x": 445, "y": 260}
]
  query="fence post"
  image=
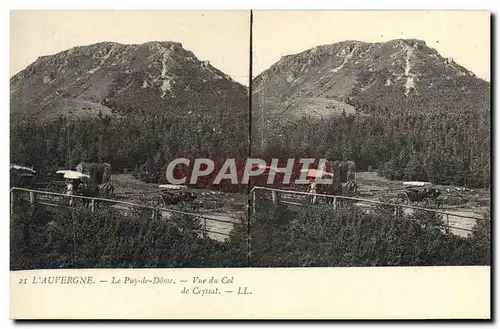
[
  {"x": 74, "y": 236},
  {"x": 253, "y": 202},
  {"x": 92, "y": 205},
  {"x": 32, "y": 197},
  {"x": 334, "y": 203},
  {"x": 447, "y": 223},
  {"x": 275, "y": 196},
  {"x": 11, "y": 201},
  {"x": 204, "y": 227}
]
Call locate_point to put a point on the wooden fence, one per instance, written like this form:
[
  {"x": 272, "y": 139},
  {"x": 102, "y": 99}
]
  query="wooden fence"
[
  {"x": 276, "y": 197},
  {"x": 35, "y": 198}
]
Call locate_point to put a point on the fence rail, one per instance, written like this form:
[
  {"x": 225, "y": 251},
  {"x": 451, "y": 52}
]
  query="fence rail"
[
  {"x": 93, "y": 200},
  {"x": 275, "y": 198},
  {"x": 397, "y": 206},
  {"x": 342, "y": 197}
]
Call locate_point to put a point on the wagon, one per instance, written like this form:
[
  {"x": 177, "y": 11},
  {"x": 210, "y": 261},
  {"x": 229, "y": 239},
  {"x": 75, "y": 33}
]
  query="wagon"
[
  {"x": 55, "y": 182},
  {"x": 99, "y": 173},
  {"x": 342, "y": 174},
  {"x": 21, "y": 176},
  {"x": 99, "y": 179},
  {"x": 175, "y": 194},
  {"x": 416, "y": 192},
  {"x": 416, "y": 184},
  {"x": 74, "y": 176}
]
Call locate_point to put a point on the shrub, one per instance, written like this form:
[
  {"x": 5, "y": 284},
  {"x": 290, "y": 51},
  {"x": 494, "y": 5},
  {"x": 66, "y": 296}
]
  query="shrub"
[
  {"x": 320, "y": 236},
  {"x": 110, "y": 239}
]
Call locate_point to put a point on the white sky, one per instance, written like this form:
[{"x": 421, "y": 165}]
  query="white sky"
[
  {"x": 223, "y": 37},
  {"x": 462, "y": 35}
]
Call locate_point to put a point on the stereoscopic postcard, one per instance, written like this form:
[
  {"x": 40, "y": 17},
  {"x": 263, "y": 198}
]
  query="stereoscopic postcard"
[{"x": 170, "y": 164}]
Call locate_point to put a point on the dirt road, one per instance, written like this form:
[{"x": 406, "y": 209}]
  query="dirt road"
[{"x": 221, "y": 207}]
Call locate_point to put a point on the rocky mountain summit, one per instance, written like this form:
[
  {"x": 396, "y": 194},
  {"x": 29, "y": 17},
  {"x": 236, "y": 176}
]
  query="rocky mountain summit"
[{"x": 112, "y": 79}]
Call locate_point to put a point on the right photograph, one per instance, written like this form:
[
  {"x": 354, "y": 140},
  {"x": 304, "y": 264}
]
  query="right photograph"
[{"x": 375, "y": 130}]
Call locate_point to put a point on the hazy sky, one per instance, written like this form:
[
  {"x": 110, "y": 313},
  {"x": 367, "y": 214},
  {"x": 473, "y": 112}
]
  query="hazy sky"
[
  {"x": 223, "y": 37},
  {"x": 220, "y": 37}
]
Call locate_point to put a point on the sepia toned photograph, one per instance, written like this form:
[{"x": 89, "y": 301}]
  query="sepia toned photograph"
[
  {"x": 244, "y": 164},
  {"x": 398, "y": 105},
  {"x": 96, "y": 118}
]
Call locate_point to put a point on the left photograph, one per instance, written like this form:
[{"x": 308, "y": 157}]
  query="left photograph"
[{"x": 121, "y": 127}]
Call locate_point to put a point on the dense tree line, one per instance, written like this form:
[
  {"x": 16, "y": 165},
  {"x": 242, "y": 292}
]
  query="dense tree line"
[
  {"x": 125, "y": 142},
  {"x": 145, "y": 143},
  {"x": 444, "y": 147}
]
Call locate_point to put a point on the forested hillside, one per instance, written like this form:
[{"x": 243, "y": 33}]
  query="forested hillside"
[
  {"x": 398, "y": 106},
  {"x": 442, "y": 147},
  {"x": 128, "y": 143},
  {"x": 129, "y": 105}
]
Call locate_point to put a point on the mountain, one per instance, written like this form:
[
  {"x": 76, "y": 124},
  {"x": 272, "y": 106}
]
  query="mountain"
[
  {"x": 112, "y": 79},
  {"x": 354, "y": 76},
  {"x": 136, "y": 107}
]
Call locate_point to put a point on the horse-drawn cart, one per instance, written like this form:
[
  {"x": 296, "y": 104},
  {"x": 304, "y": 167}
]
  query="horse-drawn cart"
[
  {"x": 175, "y": 194},
  {"x": 416, "y": 192},
  {"x": 75, "y": 182},
  {"x": 99, "y": 180},
  {"x": 342, "y": 176}
]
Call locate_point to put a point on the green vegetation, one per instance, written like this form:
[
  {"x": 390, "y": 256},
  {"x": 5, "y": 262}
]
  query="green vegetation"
[
  {"x": 397, "y": 143},
  {"x": 141, "y": 143},
  {"x": 125, "y": 142},
  {"x": 312, "y": 236},
  {"x": 444, "y": 147},
  {"x": 319, "y": 237},
  {"x": 109, "y": 239}
]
